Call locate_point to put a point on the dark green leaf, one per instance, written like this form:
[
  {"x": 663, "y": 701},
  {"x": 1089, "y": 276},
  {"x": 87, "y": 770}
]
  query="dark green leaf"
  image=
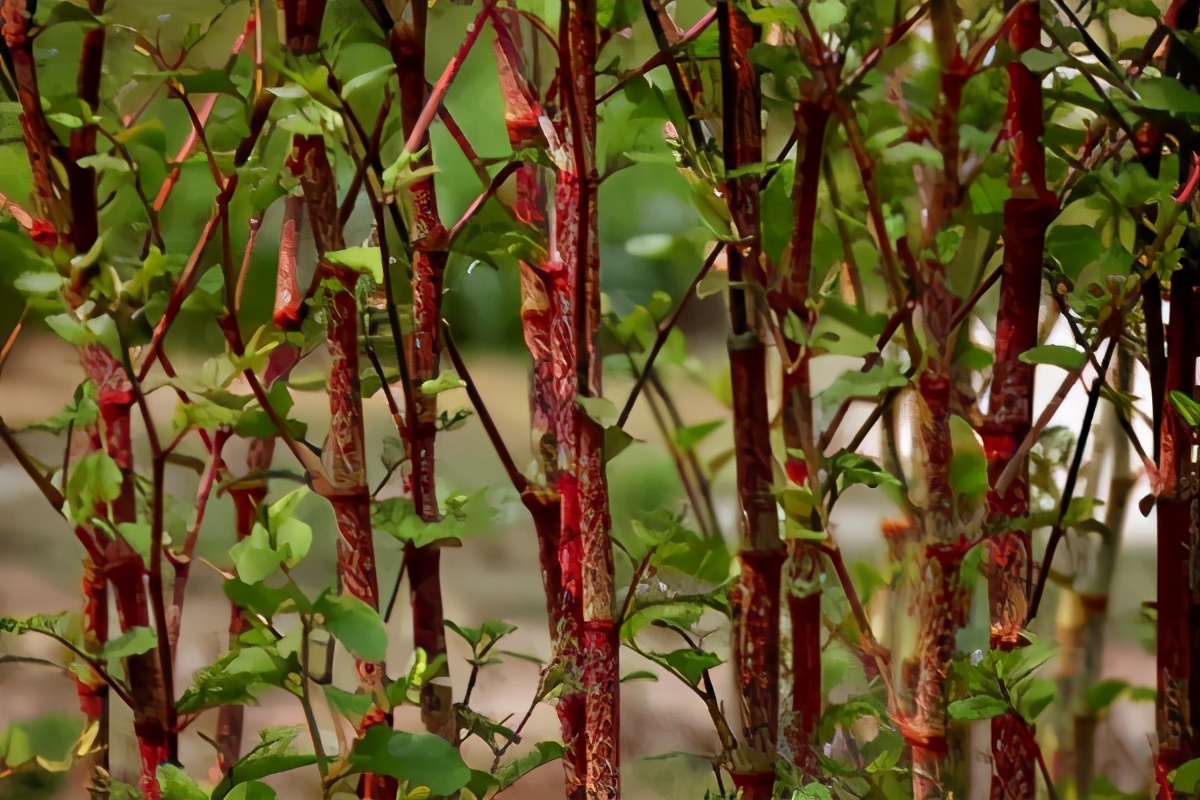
[
  {"x": 542, "y": 753},
  {"x": 420, "y": 759},
  {"x": 975, "y": 708}
]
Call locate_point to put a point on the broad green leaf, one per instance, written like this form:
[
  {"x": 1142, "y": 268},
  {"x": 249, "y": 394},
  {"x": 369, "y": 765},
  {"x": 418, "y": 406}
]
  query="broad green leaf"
[
  {"x": 352, "y": 705},
  {"x": 1058, "y": 355},
  {"x": 679, "y": 614},
  {"x": 418, "y": 759},
  {"x": 1103, "y": 694},
  {"x": 715, "y": 282},
  {"x": 1161, "y": 93},
  {"x": 812, "y": 791},
  {"x": 132, "y": 642},
  {"x": 689, "y": 663},
  {"x": 1186, "y": 779},
  {"x": 38, "y": 283},
  {"x": 355, "y": 624},
  {"x": 542, "y": 753},
  {"x": 975, "y": 708},
  {"x": 254, "y": 557},
  {"x": 95, "y": 479},
  {"x": 176, "y": 785},
  {"x": 273, "y": 755},
  {"x": 236, "y": 678},
  {"x": 367, "y": 260},
  {"x": 254, "y": 790},
  {"x": 968, "y": 465},
  {"x": 688, "y": 437},
  {"x": 1033, "y": 696},
  {"x": 855, "y": 383}
]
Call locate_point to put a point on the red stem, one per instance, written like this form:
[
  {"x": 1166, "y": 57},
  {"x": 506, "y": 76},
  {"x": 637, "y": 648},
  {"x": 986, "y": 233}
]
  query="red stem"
[
  {"x": 589, "y": 645},
  {"x": 1027, "y": 214},
  {"x": 429, "y": 239},
  {"x": 345, "y": 484},
  {"x": 288, "y": 297},
  {"x": 755, "y": 598}
]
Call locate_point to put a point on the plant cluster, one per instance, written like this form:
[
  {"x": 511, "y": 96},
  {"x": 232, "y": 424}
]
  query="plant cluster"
[{"x": 912, "y": 207}]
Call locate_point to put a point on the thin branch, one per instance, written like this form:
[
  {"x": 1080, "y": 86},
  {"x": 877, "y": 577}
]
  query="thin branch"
[
  {"x": 664, "y": 331},
  {"x": 519, "y": 482},
  {"x": 1056, "y": 532}
]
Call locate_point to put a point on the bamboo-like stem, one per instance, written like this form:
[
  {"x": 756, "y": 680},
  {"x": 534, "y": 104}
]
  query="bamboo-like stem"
[
  {"x": 343, "y": 456},
  {"x": 1027, "y": 214},
  {"x": 423, "y": 350},
  {"x": 588, "y": 644},
  {"x": 803, "y": 460},
  {"x": 940, "y": 602},
  {"x": 756, "y": 596},
  {"x": 544, "y": 309}
]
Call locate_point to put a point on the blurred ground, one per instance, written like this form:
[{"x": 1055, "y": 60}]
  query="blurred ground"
[{"x": 493, "y": 576}]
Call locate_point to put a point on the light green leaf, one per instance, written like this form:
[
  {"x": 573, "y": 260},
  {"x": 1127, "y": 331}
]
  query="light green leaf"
[
  {"x": 688, "y": 437},
  {"x": 176, "y": 785},
  {"x": 1058, "y": 355},
  {"x": 355, "y": 624},
  {"x": 367, "y": 260},
  {"x": 444, "y": 382},
  {"x": 968, "y": 465}
]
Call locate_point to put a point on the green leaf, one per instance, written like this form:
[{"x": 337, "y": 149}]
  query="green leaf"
[
  {"x": 273, "y": 755},
  {"x": 542, "y": 753},
  {"x": 132, "y": 642},
  {"x": 1033, "y": 696},
  {"x": 1186, "y": 779},
  {"x": 1103, "y": 694},
  {"x": 352, "y": 705},
  {"x": 367, "y": 260},
  {"x": 103, "y": 162},
  {"x": 95, "y": 479},
  {"x": 688, "y": 437},
  {"x": 254, "y": 557},
  {"x": 855, "y": 469},
  {"x": 689, "y": 663},
  {"x": 827, "y": 13},
  {"x": 38, "y": 283},
  {"x": 855, "y": 383},
  {"x": 444, "y": 382},
  {"x": 1041, "y": 62},
  {"x": 236, "y": 678},
  {"x": 355, "y": 624},
  {"x": 176, "y": 785},
  {"x": 1017, "y": 664},
  {"x": 1139, "y": 8},
  {"x": 639, "y": 675},
  {"x": 421, "y": 760},
  {"x": 975, "y": 708},
  {"x": 1058, "y": 355},
  {"x": 812, "y": 791},
  {"x": 1160, "y": 93},
  {"x": 254, "y": 790},
  {"x": 1188, "y": 408},
  {"x": 715, "y": 282},
  {"x": 681, "y": 614},
  {"x": 968, "y": 465}
]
